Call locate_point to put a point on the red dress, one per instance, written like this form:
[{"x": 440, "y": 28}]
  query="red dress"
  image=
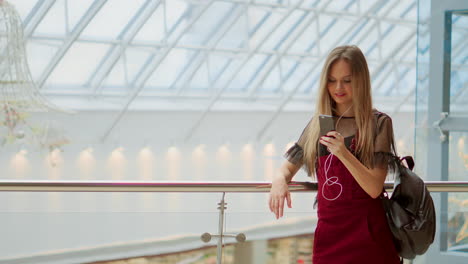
[
  {"x": 351, "y": 225},
  {"x": 352, "y": 228}
]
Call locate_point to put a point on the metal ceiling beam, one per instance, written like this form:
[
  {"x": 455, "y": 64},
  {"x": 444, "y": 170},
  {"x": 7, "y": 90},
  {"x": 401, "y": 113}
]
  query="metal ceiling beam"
[
  {"x": 251, "y": 92},
  {"x": 237, "y": 70},
  {"x": 117, "y": 96},
  {"x": 338, "y": 14},
  {"x": 197, "y": 59},
  {"x": 305, "y": 56},
  {"x": 390, "y": 29},
  {"x": 397, "y": 49},
  {"x": 410, "y": 47},
  {"x": 356, "y": 32},
  {"x": 398, "y": 78},
  {"x": 166, "y": 48},
  {"x": 392, "y": 54},
  {"x": 258, "y": 68},
  {"x": 235, "y": 51},
  {"x": 104, "y": 40},
  {"x": 229, "y": 61},
  {"x": 413, "y": 90},
  {"x": 279, "y": 55},
  {"x": 155, "y": 48},
  {"x": 84, "y": 21},
  {"x": 283, "y": 39},
  {"x": 35, "y": 16},
  {"x": 223, "y": 29},
  {"x": 152, "y": 46},
  {"x": 151, "y": 67},
  {"x": 262, "y": 52},
  {"x": 125, "y": 37},
  {"x": 305, "y": 76},
  {"x": 459, "y": 48},
  {"x": 460, "y": 92},
  {"x": 266, "y": 73}
]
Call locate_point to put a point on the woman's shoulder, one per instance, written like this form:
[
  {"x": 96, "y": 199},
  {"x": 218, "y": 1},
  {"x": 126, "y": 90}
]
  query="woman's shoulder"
[
  {"x": 382, "y": 120},
  {"x": 381, "y": 116},
  {"x": 379, "y": 113}
]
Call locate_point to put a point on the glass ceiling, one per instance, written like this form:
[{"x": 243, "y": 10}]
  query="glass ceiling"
[{"x": 97, "y": 52}]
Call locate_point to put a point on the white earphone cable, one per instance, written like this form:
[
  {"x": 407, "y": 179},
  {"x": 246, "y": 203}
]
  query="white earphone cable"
[{"x": 333, "y": 180}]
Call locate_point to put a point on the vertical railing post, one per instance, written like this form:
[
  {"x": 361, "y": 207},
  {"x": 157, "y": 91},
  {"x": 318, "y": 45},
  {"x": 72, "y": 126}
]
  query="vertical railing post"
[
  {"x": 206, "y": 237},
  {"x": 220, "y": 229}
]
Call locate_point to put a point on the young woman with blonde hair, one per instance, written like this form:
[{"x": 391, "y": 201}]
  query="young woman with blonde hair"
[{"x": 349, "y": 163}]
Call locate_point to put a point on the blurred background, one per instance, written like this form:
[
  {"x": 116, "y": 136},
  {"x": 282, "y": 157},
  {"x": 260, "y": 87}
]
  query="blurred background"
[{"x": 198, "y": 90}]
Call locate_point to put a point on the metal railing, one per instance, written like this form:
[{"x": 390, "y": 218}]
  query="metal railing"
[
  {"x": 184, "y": 186},
  {"x": 220, "y": 187}
]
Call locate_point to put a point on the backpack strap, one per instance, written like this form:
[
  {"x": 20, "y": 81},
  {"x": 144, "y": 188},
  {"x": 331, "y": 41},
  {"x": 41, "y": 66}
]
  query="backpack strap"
[{"x": 409, "y": 160}]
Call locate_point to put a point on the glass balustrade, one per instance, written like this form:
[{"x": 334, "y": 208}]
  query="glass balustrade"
[{"x": 172, "y": 227}]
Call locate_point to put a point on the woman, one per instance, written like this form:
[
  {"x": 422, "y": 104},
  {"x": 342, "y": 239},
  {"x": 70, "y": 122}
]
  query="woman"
[{"x": 350, "y": 165}]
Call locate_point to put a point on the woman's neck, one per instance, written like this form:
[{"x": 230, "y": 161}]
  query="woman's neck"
[{"x": 344, "y": 110}]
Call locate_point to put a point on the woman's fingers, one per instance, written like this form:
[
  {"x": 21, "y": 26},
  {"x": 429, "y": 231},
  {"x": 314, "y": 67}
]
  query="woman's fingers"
[
  {"x": 276, "y": 205},
  {"x": 335, "y": 134},
  {"x": 281, "y": 206},
  {"x": 270, "y": 203},
  {"x": 276, "y": 201},
  {"x": 324, "y": 142},
  {"x": 331, "y": 141}
]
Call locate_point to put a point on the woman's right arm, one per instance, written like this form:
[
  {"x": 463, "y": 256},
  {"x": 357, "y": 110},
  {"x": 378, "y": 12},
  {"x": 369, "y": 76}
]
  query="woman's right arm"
[{"x": 279, "y": 188}]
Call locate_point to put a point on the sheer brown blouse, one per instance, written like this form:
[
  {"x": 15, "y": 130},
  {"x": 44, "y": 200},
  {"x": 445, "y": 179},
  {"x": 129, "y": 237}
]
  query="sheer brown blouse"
[{"x": 384, "y": 146}]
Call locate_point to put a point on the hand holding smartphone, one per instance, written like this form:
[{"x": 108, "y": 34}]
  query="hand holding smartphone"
[{"x": 327, "y": 124}]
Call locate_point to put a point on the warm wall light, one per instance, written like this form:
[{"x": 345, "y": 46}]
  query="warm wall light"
[
  {"x": 173, "y": 158},
  {"x": 89, "y": 150},
  {"x": 248, "y": 157},
  {"x": 145, "y": 152},
  {"x": 461, "y": 151},
  {"x": 55, "y": 157},
  {"x": 199, "y": 151},
  {"x": 269, "y": 163},
  {"x": 199, "y": 161},
  {"x": 19, "y": 164},
  {"x": 146, "y": 162},
  {"x": 86, "y": 163},
  {"x": 224, "y": 154},
  {"x": 54, "y": 163},
  {"x": 117, "y": 163},
  {"x": 269, "y": 149},
  {"x": 461, "y": 144},
  {"x": 119, "y": 149},
  {"x": 224, "y": 160},
  {"x": 401, "y": 146}
]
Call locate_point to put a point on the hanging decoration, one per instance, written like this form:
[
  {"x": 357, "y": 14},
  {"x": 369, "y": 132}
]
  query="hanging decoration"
[{"x": 19, "y": 95}]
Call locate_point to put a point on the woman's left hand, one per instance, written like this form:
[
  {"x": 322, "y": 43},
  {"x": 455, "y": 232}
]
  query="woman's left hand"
[{"x": 334, "y": 141}]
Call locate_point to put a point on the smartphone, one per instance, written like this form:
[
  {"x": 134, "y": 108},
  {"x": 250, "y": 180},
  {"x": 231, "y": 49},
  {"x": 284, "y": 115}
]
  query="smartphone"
[{"x": 326, "y": 124}]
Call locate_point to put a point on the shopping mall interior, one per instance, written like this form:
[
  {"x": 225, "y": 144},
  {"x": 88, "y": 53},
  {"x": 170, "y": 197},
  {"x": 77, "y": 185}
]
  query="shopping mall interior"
[{"x": 149, "y": 131}]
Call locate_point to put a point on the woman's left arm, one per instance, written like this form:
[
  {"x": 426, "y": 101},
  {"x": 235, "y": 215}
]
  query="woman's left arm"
[{"x": 370, "y": 180}]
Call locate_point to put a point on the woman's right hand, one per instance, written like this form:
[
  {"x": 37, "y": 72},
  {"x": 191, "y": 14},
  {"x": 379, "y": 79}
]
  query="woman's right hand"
[{"x": 278, "y": 193}]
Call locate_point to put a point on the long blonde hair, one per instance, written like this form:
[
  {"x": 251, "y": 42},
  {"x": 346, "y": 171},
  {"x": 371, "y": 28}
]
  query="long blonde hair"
[{"x": 362, "y": 106}]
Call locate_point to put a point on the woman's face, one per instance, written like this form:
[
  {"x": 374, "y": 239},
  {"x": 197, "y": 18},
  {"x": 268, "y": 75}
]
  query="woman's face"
[{"x": 339, "y": 83}]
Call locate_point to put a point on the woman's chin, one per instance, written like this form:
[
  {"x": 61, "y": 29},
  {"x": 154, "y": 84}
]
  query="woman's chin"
[{"x": 343, "y": 100}]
